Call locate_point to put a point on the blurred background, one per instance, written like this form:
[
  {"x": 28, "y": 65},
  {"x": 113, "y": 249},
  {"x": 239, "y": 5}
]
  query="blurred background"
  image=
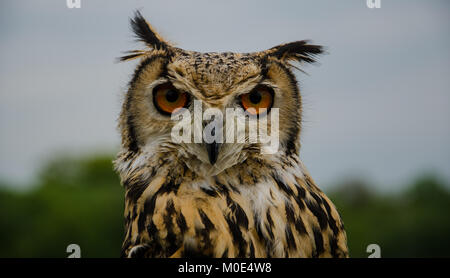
[{"x": 376, "y": 128}]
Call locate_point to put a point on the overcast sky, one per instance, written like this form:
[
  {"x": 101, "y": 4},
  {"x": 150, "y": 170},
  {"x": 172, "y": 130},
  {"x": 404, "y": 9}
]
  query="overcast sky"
[{"x": 377, "y": 106}]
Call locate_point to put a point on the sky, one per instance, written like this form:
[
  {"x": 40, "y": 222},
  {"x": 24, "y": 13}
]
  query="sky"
[{"x": 376, "y": 107}]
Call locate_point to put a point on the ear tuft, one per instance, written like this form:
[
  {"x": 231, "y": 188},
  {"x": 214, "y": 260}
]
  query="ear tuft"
[
  {"x": 145, "y": 33},
  {"x": 299, "y": 51},
  {"x": 132, "y": 54}
]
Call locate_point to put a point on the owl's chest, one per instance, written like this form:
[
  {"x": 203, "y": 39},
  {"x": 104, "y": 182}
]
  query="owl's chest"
[
  {"x": 241, "y": 221},
  {"x": 281, "y": 215}
]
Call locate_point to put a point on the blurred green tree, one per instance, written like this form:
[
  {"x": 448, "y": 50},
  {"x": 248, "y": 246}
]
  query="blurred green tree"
[
  {"x": 76, "y": 200},
  {"x": 411, "y": 223}
]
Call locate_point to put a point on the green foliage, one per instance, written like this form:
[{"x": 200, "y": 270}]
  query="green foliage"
[
  {"x": 80, "y": 200},
  {"x": 76, "y": 201},
  {"x": 413, "y": 223}
]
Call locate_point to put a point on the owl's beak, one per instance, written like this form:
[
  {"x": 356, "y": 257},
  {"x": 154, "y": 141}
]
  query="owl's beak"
[{"x": 213, "y": 151}]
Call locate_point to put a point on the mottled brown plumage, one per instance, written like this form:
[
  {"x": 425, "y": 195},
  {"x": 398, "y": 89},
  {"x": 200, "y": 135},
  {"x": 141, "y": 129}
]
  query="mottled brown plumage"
[{"x": 246, "y": 204}]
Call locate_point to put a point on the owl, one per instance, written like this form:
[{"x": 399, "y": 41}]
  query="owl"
[{"x": 219, "y": 199}]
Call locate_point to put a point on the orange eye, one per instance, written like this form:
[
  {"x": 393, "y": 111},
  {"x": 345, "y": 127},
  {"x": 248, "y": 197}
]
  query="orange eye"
[
  {"x": 259, "y": 98},
  {"x": 167, "y": 98}
]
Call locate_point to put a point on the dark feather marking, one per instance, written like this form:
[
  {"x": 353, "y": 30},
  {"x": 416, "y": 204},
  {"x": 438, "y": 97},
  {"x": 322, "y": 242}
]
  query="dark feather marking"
[
  {"x": 271, "y": 194},
  {"x": 262, "y": 237},
  {"x": 258, "y": 227},
  {"x": 289, "y": 213},
  {"x": 137, "y": 241},
  {"x": 269, "y": 218},
  {"x": 238, "y": 212},
  {"x": 263, "y": 64},
  {"x": 237, "y": 236},
  {"x": 210, "y": 192},
  {"x": 223, "y": 191},
  {"x": 137, "y": 187},
  {"x": 333, "y": 246},
  {"x": 169, "y": 187},
  {"x": 149, "y": 206},
  {"x": 331, "y": 220},
  {"x": 132, "y": 138},
  {"x": 204, "y": 240},
  {"x": 310, "y": 183},
  {"x": 318, "y": 239},
  {"x": 225, "y": 253},
  {"x": 234, "y": 188},
  {"x": 269, "y": 231},
  {"x": 254, "y": 178},
  {"x": 127, "y": 219},
  {"x": 181, "y": 222},
  {"x": 301, "y": 195},
  {"x": 126, "y": 244},
  {"x": 317, "y": 198},
  {"x": 221, "y": 187},
  {"x": 134, "y": 214},
  {"x": 204, "y": 233},
  {"x": 300, "y": 226},
  {"x": 290, "y": 238},
  {"x": 152, "y": 230},
  {"x": 300, "y": 203},
  {"x": 141, "y": 222},
  {"x": 171, "y": 237},
  {"x": 318, "y": 213},
  {"x": 205, "y": 220},
  {"x": 301, "y": 192},
  {"x": 269, "y": 225},
  {"x": 129, "y": 155},
  {"x": 252, "y": 250},
  {"x": 240, "y": 179},
  {"x": 283, "y": 186}
]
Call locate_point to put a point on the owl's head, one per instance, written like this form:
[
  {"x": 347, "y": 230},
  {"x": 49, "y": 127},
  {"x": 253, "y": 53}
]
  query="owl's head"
[{"x": 169, "y": 80}]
